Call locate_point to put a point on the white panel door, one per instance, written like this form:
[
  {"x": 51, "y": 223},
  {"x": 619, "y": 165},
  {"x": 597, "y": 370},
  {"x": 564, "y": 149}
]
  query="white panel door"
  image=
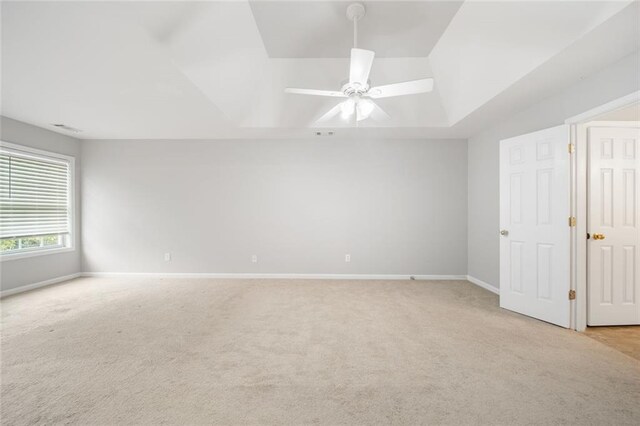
[
  {"x": 613, "y": 281},
  {"x": 534, "y": 228}
]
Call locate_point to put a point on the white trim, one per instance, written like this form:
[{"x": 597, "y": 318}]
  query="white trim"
[
  {"x": 273, "y": 276},
  {"x": 579, "y": 245},
  {"x": 36, "y": 252},
  {"x": 602, "y": 109},
  {"x": 394, "y": 277},
  {"x": 485, "y": 285},
  {"x": 23, "y": 149},
  {"x": 575, "y": 159},
  {"x": 22, "y": 289}
]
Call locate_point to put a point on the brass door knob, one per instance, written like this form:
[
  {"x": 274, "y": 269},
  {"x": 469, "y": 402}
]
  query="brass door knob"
[
  {"x": 598, "y": 236},
  {"x": 504, "y": 232}
]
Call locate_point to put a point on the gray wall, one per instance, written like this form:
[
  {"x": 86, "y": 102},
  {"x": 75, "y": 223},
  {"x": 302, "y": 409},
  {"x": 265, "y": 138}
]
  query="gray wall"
[
  {"x": 397, "y": 206},
  {"x": 613, "y": 82},
  {"x": 18, "y": 272}
]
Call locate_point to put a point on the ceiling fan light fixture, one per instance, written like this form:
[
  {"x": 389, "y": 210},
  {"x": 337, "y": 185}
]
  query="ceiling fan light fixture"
[
  {"x": 365, "y": 108},
  {"x": 357, "y": 89},
  {"x": 347, "y": 108}
]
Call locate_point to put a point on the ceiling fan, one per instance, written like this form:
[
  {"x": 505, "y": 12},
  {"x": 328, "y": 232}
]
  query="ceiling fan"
[{"x": 357, "y": 90}]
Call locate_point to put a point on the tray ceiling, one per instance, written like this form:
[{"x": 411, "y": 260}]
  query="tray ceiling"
[{"x": 218, "y": 69}]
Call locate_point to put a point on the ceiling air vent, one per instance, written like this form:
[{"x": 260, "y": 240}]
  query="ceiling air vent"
[{"x": 65, "y": 127}]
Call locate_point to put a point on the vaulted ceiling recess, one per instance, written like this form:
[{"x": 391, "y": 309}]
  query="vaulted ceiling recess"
[
  {"x": 188, "y": 69},
  {"x": 357, "y": 90}
]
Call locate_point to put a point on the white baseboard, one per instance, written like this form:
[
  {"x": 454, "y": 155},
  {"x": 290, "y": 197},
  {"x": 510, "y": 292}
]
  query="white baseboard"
[
  {"x": 56, "y": 280},
  {"x": 274, "y": 276},
  {"x": 483, "y": 284},
  {"x": 21, "y": 289}
]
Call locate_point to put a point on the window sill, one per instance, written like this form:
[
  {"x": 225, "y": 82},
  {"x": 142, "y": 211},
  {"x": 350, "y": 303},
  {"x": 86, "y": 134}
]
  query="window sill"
[{"x": 35, "y": 253}]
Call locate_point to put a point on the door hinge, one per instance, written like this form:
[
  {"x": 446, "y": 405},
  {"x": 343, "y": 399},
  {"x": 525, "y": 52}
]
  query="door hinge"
[
  {"x": 571, "y": 148},
  {"x": 572, "y": 295},
  {"x": 572, "y": 221}
]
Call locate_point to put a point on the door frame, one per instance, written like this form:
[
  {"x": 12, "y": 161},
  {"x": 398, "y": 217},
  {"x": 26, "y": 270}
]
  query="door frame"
[{"x": 578, "y": 130}]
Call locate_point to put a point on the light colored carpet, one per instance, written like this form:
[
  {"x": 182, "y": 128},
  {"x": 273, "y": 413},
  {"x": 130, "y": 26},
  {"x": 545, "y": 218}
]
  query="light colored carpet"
[{"x": 153, "y": 351}]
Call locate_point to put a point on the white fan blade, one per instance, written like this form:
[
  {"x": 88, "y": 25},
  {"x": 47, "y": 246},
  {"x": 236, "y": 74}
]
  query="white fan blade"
[
  {"x": 361, "y": 61},
  {"x": 330, "y": 114},
  {"x": 399, "y": 89},
  {"x": 315, "y": 92}
]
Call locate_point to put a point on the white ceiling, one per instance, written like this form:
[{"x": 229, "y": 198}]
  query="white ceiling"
[
  {"x": 163, "y": 70},
  {"x": 395, "y": 29},
  {"x": 491, "y": 45}
]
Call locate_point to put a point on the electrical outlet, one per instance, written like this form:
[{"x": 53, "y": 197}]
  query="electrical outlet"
[
  {"x": 254, "y": 258},
  {"x": 167, "y": 257},
  {"x": 347, "y": 258}
]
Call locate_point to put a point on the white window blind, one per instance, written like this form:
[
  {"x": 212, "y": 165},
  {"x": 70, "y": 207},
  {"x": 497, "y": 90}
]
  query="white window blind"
[{"x": 34, "y": 195}]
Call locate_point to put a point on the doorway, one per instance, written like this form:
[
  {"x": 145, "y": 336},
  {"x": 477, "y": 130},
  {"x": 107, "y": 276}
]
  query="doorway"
[
  {"x": 613, "y": 231},
  {"x": 544, "y": 267},
  {"x": 606, "y": 204}
]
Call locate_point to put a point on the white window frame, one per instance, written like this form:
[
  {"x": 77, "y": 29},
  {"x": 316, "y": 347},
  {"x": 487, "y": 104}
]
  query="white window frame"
[{"x": 42, "y": 251}]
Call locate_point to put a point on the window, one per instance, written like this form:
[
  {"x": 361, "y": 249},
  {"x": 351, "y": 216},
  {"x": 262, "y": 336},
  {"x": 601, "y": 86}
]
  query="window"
[{"x": 36, "y": 201}]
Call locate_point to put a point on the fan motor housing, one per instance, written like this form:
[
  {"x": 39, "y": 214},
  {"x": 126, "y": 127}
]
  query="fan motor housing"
[{"x": 355, "y": 89}]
